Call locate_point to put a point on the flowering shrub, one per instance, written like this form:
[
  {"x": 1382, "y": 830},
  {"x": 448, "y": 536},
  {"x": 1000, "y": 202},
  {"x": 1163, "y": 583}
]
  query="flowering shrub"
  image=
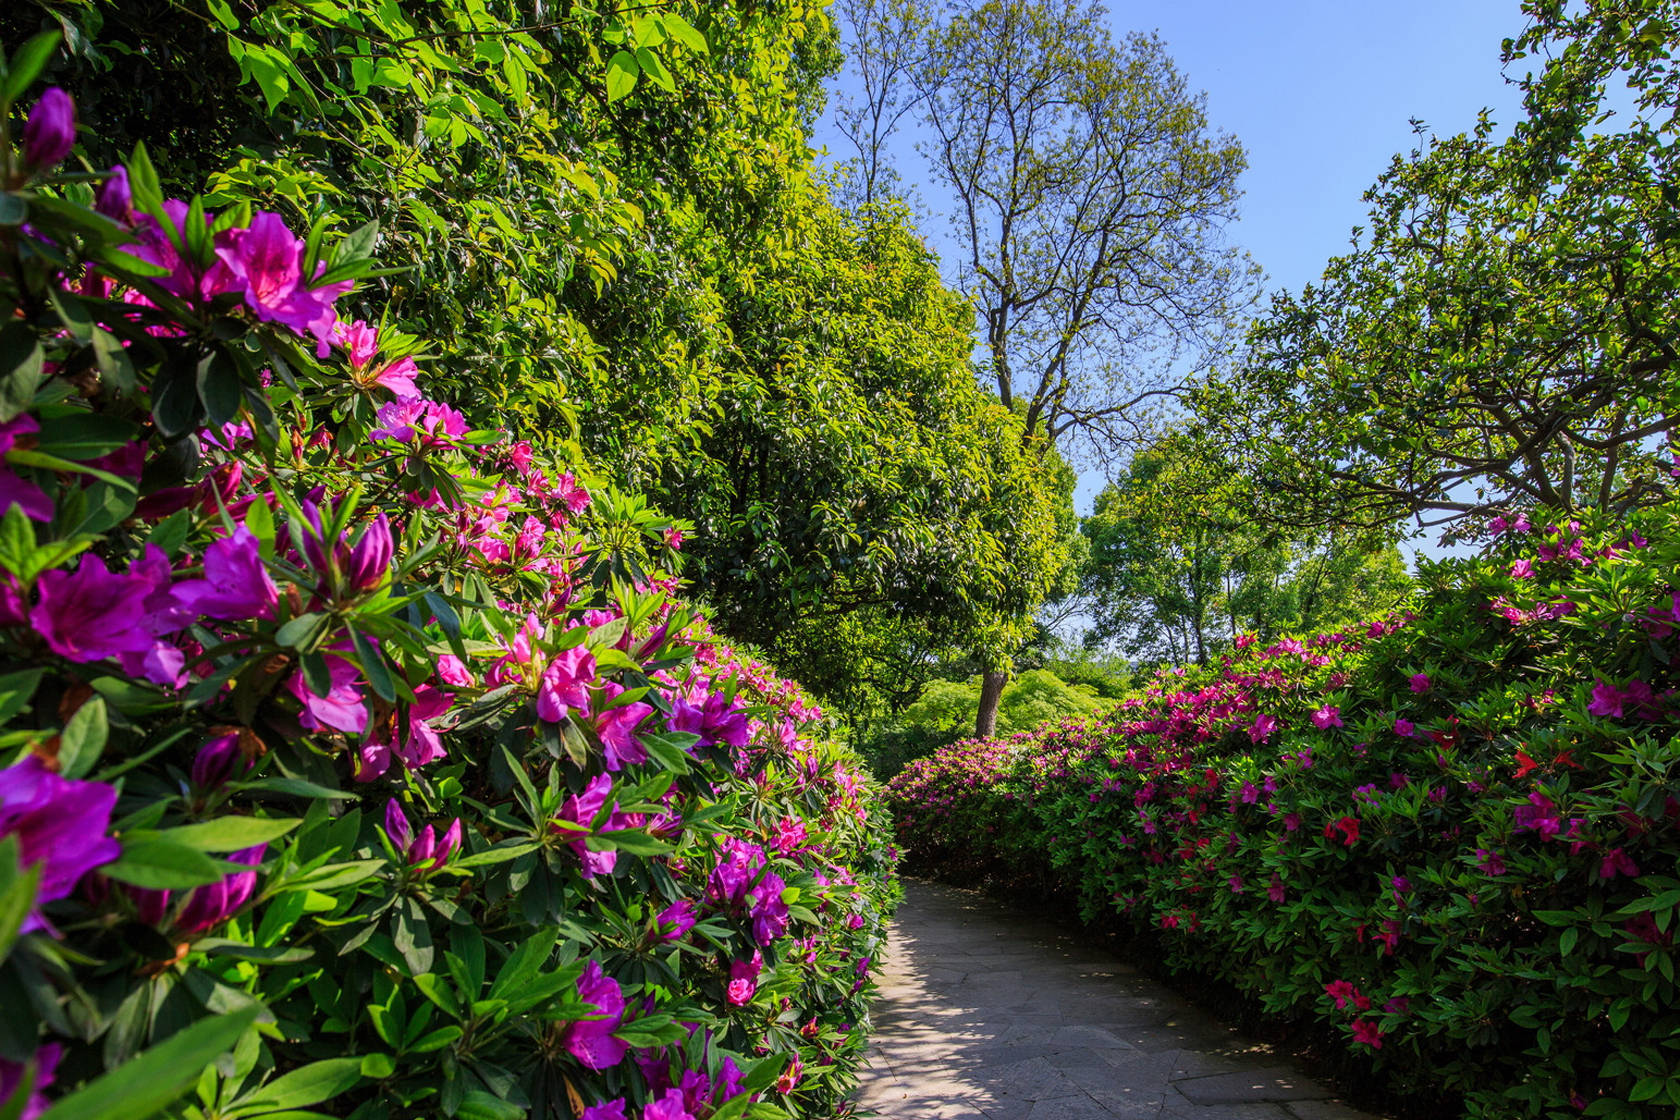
[
  {"x": 355, "y": 762},
  {"x": 1453, "y": 837}
]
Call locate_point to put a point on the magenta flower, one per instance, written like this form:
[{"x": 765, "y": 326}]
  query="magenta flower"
[
  {"x": 423, "y": 852},
  {"x": 1491, "y": 863},
  {"x": 45, "y": 1061},
  {"x": 1366, "y": 1032},
  {"x": 1522, "y": 569},
  {"x": 116, "y": 198},
  {"x": 1327, "y": 717},
  {"x": 217, "y": 761},
  {"x": 236, "y": 586},
  {"x": 674, "y": 922},
  {"x": 1404, "y": 727},
  {"x": 1617, "y": 862},
  {"x": 1419, "y": 682},
  {"x": 743, "y": 979},
  {"x": 50, "y": 132},
  {"x": 210, "y": 906},
  {"x": 452, "y": 671},
  {"x": 564, "y": 685},
  {"x": 93, "y": 613},
  {"x": 341, "y": 709},
  {"x": 1275, "y": 889},
  {"x": 670, "y": 1106},
  {"x": 60, "y": 824},
  {"x": 265, "y": 262},
  {"x": 606, "y": 1110},
  {"x": 14, "y": 489},
  {"x": 617, "y": 729},
  {"x": 582, "y": 809},
  {"x": 590, "y": 1041},
  {"x": 1262, "y": 728}
]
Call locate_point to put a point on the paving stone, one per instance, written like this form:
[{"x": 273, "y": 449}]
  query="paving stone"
[{"x": 989, "y": 1014}]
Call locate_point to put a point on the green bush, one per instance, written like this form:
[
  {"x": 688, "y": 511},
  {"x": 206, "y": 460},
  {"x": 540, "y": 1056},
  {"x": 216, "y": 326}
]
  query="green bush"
[
  {"x": 1449, "y": 837},
  {"x": 354, "y": 762}
]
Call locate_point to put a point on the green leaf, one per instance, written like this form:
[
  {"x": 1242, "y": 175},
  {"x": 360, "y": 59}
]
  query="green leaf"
[
  {"x": 219, "y": 387},
  {"x": 155, "y": 861},
  {"x": 232, "y": 834},
  {"x": 84, "y": 435},
  {"x": 622, "y": 72},
  {"x": 26, "y": 64},
  {"x": 654, "y": 69},
  {"x": 310, "y": 1084},
  {"x": 373, "y": 666},
  {"x": 302, "y": 632},
  {"x": 683, "y": 32},
  {"x": 83, "y": 739},
  {"x": 479, "y": 1105},
  {"x": 17, "y": 688},
  {"x": 18, "y": 889},
  {"x": 501, "y": 853},
  {"x": 22, "y": 366},
  {"x": 139, "y": 1089}
]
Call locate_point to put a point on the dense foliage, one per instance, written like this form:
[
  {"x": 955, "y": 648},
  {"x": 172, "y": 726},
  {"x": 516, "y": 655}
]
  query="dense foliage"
[
  {"x": 1448, "y": 837},
  {"x": 610, "y": 223},
  {"x": 355, "y": 761},
  {"x": 1500, "y": 337}
]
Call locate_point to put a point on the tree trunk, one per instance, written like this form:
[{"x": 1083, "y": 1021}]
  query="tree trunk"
[{"x": 991, "y": 690}]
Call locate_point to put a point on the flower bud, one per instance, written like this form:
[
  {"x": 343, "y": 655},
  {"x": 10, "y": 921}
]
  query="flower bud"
[
  {"x": 115, "y": 199},
  {"x": 51, "y": 131},
  {"x": 217, "y": 761}
]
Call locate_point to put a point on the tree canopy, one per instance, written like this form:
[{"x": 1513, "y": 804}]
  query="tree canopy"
[{"x": 1502, "y": 335}]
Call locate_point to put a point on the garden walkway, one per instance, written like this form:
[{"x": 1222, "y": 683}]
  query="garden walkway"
[{"x": 987, "y": 1013}]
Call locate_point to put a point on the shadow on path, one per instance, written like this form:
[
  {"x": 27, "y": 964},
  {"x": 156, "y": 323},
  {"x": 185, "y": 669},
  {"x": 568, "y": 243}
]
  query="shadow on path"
[{"x": 986, "y": 1013}]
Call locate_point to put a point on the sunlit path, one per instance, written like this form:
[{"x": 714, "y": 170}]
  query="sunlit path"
[{"x": 988, "y": 1014}]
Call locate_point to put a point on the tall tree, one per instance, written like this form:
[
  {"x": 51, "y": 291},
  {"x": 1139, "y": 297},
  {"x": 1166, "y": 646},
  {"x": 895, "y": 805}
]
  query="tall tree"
[
  {"x": 1089, "y": 200},
  {"x": 887, "y": 41},
  {"x": 1503, "y": 335}
]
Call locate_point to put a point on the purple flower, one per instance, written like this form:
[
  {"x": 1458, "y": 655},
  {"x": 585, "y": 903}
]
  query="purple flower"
[
  {"x": 564, "y": 685},
  {"x": 217, "y": 761},
  {"x": 452, "y": 671},
  {"x": 341, "y": 709},
  {"x": 674, "y": 922},
  {"x": 14, "y": 489},
  {"x": 210, "y": 906},
  {"x": 1617, "y": 862},
  {"x": 743, "y": 980},
  {"x": 1327, "y": 717},
  {"x": 51, "y": 131},
  {"x": 1492, "y": 863},
  {"x": 1262, "y": 728},
  {"x": 617, "y": 728},
  {"x": 582, "y": 809},
  {"x": 1419, "y": 682},
  {"x": 45, "y": 1061},
  {"x": 590, "y": 1041},
  {"x": 606, "y": 1110},
  {"x": 670, "y": 1106},
  {"x": 1404, "y": 727},
  {"x": 265, "y": 262},
  {"x": 116, "y": 198},
  {"x": 235, "y": 586},
  {"x": 91, "y": 614},
  {"x": 422, "y": 852},
  {"x": 60, "y": 824}
]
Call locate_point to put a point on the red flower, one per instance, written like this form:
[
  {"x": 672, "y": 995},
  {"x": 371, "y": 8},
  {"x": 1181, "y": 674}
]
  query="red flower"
[
  {"x": 1525, "y": 765},
  {"x": 1366, "y": 1031},
  {"x": 1349, "y": 828}
]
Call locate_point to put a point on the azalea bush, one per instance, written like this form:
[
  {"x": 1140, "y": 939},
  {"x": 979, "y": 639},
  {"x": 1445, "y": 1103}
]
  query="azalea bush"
[
  {"x": 1448, "y": 837},
  {"x": 354, "y": 762}
]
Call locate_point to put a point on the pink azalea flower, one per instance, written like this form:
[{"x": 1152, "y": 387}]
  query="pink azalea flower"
[
  {"x": 210, "y": 906},
  {"x": 670, "y": 1106},
  {"x": 17, "y": 491},
  {"x": 1262, "y": 727},
  {"x": 50, "y": 132},
  {"x": 1617, "y": 862},
  {"x": 341, "y": 709},
  {"x": 45, "y": 1061},
  {"x": 61, "y": 824},
  {"x": 1419, "y": 682},
  {"x": 1327, "y": 717},
  {"x": 743, "y": 979},
  {"x": 235, "y": 586},
  {"x": 1404, "y": 727},
  {"x": 606, "y": 1110},
  {"x": 590, "y": 1041},
  {"x": 452, "y": 671},
  {"x": 617, "y": 730},
  {"x": 92, "y": 613},
  {"x": 1366, "y": 1032},
  {"x": 564, "y": 685},
  {"x": 265, "y": 262}
]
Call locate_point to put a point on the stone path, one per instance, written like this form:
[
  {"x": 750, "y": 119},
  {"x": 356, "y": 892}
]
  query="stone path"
[{"x": 991, "y": 1014}]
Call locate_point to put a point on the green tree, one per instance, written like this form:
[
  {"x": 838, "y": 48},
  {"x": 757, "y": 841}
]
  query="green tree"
[
  {"x": 1502, "y": 336},
  {"x": 1179, "y": 565}
]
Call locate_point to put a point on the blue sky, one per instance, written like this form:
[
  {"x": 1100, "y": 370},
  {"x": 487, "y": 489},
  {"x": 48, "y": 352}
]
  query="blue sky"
[{"x": 1321, "y": 93}]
